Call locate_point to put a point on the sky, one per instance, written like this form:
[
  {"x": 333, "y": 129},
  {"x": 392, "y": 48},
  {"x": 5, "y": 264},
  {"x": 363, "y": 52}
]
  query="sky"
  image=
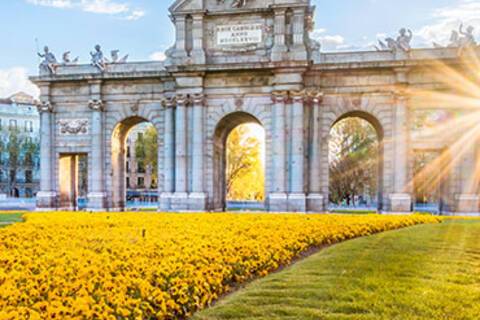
[{"x": 142, "y": 28}]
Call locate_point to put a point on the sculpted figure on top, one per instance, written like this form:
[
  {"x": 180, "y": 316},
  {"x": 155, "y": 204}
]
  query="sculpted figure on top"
[
  {"x": 49, "y": 62},
  {"x": 401, "y": 43},
  {"x": 235, "y": 3},
  {"x": 97, "y": 58}
]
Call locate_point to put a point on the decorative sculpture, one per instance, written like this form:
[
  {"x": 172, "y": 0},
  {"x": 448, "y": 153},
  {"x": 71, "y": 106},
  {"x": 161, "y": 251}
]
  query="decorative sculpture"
[
  {"x": 401, "y": 43},
  {"x": 115, "y": 57},
  {"x": 73, "y": 127},
  {"x": 235, "y": 3},
  {"x": 97, "y": 58},
  {"x": 66, "y": 59},
  {"x": 49, "y": 63},
  {"x": 403, "y": 40}
]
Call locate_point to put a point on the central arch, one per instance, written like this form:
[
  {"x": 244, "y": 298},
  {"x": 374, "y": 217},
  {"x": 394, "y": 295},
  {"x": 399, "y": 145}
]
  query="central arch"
[
  {"x": 222, "y": 131},
  {"x": 379, "y": 130},
  {"x": 119, "y": 159}
]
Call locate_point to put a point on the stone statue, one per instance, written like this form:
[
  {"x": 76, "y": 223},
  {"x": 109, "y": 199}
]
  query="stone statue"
[
  {"x": 97, "y": 58},
  {"x": 454, "y": 39},
  {"x": 401, "y": 43},
  {"x": 239, "y": 3},
  {"x": 66, "y": 59},
  {"x": 49, "y": 63},
  {"x": 404, "y": 39},
  {"x": 235, "y": 3},
  {"x": 468, "y": 38},
  {"x": 116, "y": 58}
]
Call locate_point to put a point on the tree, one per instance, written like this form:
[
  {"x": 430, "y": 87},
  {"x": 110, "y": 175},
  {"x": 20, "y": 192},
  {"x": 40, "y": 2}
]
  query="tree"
[
  {"x": 14, "y": 150},
  {"x": 353, "y": 152},
  {"x": 245, "y": 168},
  {"x": 146, "y": 152}
]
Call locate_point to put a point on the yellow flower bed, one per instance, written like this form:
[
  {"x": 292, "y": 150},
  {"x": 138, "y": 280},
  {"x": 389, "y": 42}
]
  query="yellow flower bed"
[{"x": 166, "y": 266}]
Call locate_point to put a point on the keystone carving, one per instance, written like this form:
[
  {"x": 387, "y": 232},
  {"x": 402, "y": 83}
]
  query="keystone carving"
[{"x": 73, "y": 127}]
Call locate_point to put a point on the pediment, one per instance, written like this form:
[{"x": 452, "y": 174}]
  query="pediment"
[{"x": 185, "y": 6}]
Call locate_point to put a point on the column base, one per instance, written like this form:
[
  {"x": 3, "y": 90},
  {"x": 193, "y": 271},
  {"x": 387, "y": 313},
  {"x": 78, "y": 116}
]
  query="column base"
[
  {"x": 97, "y": 201},
  {"x": 179, "y": 201},
  {"x": 197, "y": 201},
  {"x": 277, "y": 202},
  {"x": 46, "y": 201},
  {"x": 297, "y": 202},
  {"x": 315, "y": 203},
  {"x": 400, "y": 203},
  {"x": 165, "y": 202},
  {"x": 468, "y": 203}
]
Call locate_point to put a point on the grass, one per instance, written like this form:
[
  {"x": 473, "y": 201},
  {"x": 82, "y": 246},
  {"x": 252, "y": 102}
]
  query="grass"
[
  {"x": 9, "y": 218},
  {"x": 424, "y": 272}
]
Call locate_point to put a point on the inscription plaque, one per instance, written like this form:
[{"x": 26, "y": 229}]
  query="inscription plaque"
[{"x": 239, "y": 34}]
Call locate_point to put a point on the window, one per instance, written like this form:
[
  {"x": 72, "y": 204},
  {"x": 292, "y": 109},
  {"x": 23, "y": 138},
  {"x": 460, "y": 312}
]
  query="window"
[
  {"x": 139, "y": 135},
  {"x": 128, "y": 182},
  {"x": 128, "y": 152},
  {"x": 28, "y": 176},
  {"x": 140, "y": 182},
  {"x": 140, "y": 167},
  {"x": 128, "y": 166},
  {"x": 13, "y": 124},
  {"x": 1, "y": 124},
  {"x": 13, "y": 176},
  {"x": 28, "y": 126}
]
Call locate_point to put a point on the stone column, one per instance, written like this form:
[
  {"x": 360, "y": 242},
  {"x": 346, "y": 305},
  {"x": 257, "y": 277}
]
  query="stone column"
[
  {"x": 198, "y": 53},
  {"x": 279, "y": 47},
  {"x": 401, "y": 200},
  {"x": 180, "y": 198},
  {"x": 181, "y": 34},
  {"x": 296, "y": 198},
  {"x": 277, "y": 199},
  {"x": 315, "y": 199},
  {"x": 468, "y": 201},
  {"x": 198, "y": 199},
  {"x": 299, "y": 51},
  {"x": 97, "y": 195},
  {"x": 46, "y": 197},
  {"x": 168, "y": 155}
]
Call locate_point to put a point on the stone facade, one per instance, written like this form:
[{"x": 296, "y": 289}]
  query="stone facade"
[
  {"x": 234, "y": 63},
  {"x": 19, "y": 113}
]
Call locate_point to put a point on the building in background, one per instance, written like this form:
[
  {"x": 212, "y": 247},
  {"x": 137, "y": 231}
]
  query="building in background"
[
  {"x": 19, "y": 146},
  {"x": 141, "y": 182}
]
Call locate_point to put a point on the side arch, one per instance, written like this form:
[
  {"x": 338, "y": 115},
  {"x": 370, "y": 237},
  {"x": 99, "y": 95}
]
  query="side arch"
[{"x": 375, "y": 109}]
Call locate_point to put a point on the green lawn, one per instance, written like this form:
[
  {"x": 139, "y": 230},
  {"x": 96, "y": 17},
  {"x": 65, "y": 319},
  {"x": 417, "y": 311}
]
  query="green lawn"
[
  {"x": 6, "y": 219},
  {"x": 424, "y": 272}
]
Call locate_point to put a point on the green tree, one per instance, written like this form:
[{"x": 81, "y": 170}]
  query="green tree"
[
  {"x": 353, "y": 152},
  {"x": 146, "y": 152},
  {"x": 14, "y": 151},
  {"x": 245, "y": 168}
]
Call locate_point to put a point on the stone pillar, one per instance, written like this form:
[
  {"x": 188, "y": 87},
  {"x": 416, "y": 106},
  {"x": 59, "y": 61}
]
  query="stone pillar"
[
  {"x": 168, "y": 156},
  {"x": 97, "y": 196},
  {"x": 46, "y": 197},
  {"x": 468, "y": 201},
  {"x": 296, "y": 198},
  {"x": 181, "y": 35},
  {"x": 401, "y": 200},
  {"x": 198, "y": 199},
  {"x": 180, "y": 198},
  {"x": 198, "y": 53},
  {"x": 277, "y": 199},
  {"x": 315, "y": 199},
  {"x": 299, "y": 50},
  {"x": 279, "y": 48}
]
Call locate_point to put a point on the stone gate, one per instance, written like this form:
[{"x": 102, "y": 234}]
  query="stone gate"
[{"x": 238, "y": 61}]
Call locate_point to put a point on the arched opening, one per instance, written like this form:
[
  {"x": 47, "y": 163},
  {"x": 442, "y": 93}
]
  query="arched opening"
[
  {"x": 135, "y": 165},
  {"x": 430, "y": 180},
  {"x": 239, "y": 163},
  {"x": 356, "y": 163}
]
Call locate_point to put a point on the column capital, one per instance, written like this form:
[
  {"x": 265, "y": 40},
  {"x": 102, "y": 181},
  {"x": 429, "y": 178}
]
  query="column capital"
[
  {"x": 169, "y": 102},
  {"x": 198, "y": 99},
  {"x": 401, "y": 94},
  {"x": 182, "y": 100},
  {"x": 279, "y": 96},
  {"x": 44, "y": 107},
  {"x": 298, "y": 96},
  {"x": 316, "y": 97},
  {"x": 96, "y": 105}
]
